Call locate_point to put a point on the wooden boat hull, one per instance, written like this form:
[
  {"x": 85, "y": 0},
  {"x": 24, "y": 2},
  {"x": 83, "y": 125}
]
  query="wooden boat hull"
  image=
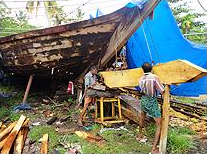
[{"x": 70, "y": 49}]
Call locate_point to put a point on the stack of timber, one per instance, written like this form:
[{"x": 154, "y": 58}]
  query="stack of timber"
[
  {"x": 195, "y": 110},
  {"x": 14, "y": 135},
  {"x": 131, "y": 107}
]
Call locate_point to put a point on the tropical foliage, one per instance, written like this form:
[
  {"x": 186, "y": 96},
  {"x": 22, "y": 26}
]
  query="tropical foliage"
[
  {"x": 188, "y": 20},
  {"x": 10, "y": 25},
  {"x": 55, "y": 14}
]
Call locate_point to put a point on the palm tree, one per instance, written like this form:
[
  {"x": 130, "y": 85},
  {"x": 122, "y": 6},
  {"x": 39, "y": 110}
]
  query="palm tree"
[
  {"x": 55, "y": 14},
  {"x": 51, "y": 8}
]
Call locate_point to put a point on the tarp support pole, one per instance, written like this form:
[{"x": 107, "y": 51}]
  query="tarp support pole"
[
  {"x": 165, "y": 120},
  {"x": 27, "y": 89}
]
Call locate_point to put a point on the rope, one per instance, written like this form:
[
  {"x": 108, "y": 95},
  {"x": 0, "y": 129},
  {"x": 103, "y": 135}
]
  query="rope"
[{"x": 145, "y": 37}]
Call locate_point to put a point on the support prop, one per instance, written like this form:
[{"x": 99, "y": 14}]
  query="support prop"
[
  {"x": 24, "y": 105},
  {"x": 165, "y": 120},
  {"x": 27, "y": 89}
]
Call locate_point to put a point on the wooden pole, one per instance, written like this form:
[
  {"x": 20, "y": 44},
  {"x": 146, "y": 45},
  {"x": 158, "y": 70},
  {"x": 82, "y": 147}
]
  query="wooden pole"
[
  {"x": 27, "y": 89},
  {"x": 165, "y": 120}
]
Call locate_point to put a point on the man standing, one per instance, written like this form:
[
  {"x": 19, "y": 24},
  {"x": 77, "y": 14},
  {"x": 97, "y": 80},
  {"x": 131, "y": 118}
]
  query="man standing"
[
  {"x": 90, "y": 81},
  {"x": 150, "y": 85}
]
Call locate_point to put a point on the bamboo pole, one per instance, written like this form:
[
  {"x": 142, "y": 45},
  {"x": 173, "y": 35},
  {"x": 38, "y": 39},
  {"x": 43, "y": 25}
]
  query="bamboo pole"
[{"x": 165, "y": 120}]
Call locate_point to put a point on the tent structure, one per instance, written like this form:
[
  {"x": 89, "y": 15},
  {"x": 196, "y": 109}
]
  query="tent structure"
[{"x": 159, "y": 41}]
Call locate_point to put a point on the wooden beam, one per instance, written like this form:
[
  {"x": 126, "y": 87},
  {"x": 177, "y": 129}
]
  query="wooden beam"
[
  {"x": 18, "y": 144},
  {"x": 44, "y": 146},
  {"x": 3, "y": 141},
  {"x": 174, "y": 72},
  {"x": 127, "y": 27},
  {"x": 3, "y": 127},
  {"x": 129, "y": 114},
  {"x": 25, "y": 124},
  {"x": 86, "y": 135},
  {"x": 6, "y": 148},
  {"x": 165, "y": 120},
  {"x": 25, "y": 132},
  {"x": 7, "y": 130}
]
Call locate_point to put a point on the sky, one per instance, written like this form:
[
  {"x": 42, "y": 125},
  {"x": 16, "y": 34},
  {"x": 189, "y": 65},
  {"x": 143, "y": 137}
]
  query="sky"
[{"x": 87, "y": 6}]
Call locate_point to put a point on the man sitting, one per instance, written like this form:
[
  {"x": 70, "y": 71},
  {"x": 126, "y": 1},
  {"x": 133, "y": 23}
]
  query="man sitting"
[{"x": 90, "y": 81}]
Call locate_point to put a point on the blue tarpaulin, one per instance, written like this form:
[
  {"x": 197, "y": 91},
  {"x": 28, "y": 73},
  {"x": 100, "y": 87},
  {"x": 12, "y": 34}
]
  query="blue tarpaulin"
[{"x": 166, "y": 43}]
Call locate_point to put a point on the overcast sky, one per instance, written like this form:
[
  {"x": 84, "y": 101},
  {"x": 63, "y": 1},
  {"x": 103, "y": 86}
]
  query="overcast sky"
[{"x": 90, "y": 7}]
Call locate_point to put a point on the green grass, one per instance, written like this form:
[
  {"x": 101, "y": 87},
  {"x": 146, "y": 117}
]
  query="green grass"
[
  {"x": 116, "y": 142},
  {"x": 4, "y": 111},
  {"x": 7, "y": 106},
  {"x": 178, "y": 141},
  {"x": 120, "y": 142},
  {"x": 150, "y": 130},
  {"x": 71, "y": 100},
  {"x": 37, "y": 132},
  {"x": 185, "y": 99},
  {"x": 186, "y": 131}
]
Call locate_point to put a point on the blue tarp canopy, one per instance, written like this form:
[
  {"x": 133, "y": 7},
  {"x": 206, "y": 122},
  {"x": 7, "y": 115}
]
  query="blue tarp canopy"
[{"x": 166, "y": 43}]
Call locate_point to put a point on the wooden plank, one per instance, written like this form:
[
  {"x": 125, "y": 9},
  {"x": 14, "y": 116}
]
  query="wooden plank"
[
  {"x": 3, "y": 127},
  {"x": 174, "y": 72},
  {"x": 19, "y": 142},
  {"x": 3, "y": 141},
  {"x": 165, "y": 120},
  {"x": 25, "y": 132},
  {"x": 127, "y": 27},
  {"x": 6, "y": 148},
  {"x": 86, "y": 135},
  {"x": 44, "y": 146},
  {"x": 25, "y": 124},
  {"x": 130, "y": 115},
  {"x": 132, "y": 109},
  {"x": 7, "y": 130}
]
